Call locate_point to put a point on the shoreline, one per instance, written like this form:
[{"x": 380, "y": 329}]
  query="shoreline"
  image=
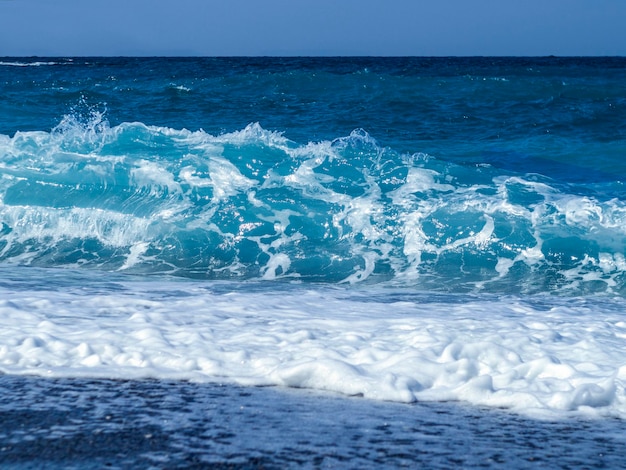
[{"x": 85, "y": 423}]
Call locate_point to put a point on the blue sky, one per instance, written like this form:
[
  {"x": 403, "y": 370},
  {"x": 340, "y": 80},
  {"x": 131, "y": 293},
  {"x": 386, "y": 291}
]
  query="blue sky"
[{"x": 312, "y": 27}]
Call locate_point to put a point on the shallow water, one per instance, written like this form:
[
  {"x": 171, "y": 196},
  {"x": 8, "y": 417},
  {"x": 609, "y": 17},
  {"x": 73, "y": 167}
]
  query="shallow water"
[{"x": 539, "y": 356}]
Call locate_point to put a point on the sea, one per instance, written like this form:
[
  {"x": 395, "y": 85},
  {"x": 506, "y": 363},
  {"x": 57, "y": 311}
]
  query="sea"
[{"x": 303, "y": 262}]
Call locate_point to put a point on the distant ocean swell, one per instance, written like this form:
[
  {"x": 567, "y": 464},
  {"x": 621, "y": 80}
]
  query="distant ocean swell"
[{"x": 252, "y": 204}]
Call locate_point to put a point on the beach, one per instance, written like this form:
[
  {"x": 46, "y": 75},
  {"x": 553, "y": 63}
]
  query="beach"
[{"x": 74, "y": 423}]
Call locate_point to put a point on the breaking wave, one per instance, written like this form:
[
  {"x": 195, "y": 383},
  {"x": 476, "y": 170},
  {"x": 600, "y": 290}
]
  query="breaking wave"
[{"x": 252, "y": 204}]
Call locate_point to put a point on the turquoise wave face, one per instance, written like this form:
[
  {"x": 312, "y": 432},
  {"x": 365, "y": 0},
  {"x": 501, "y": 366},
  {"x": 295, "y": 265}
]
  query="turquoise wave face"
[{"x": 254, "y": 205}]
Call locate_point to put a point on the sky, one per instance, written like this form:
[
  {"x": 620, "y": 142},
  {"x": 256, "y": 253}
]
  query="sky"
[{"x": 312, "y": 27}]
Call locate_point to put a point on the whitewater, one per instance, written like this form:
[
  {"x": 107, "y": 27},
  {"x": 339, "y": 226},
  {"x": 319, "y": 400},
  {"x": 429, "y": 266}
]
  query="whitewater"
[
  {"x": 533, "y": 357},
  {"x": 441, "y": 258},
  {"x": 413, "y": 231}
]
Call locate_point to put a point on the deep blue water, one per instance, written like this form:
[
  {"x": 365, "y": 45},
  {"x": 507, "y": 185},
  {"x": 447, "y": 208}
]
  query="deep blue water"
[{"x": 502, "y": 175}]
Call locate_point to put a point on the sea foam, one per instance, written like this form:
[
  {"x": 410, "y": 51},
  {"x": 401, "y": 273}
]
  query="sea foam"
[{"x": 533, "y": 357}]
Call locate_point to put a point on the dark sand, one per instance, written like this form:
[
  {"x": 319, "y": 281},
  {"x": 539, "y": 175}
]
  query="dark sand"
[{"x": 83, "y": 423}]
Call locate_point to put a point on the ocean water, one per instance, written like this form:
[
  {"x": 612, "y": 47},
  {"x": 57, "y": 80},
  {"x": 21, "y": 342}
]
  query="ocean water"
[{"x": 399, "y": 229}]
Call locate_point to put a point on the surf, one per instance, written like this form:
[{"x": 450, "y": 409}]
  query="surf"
[{"x": 252, "y": 204}]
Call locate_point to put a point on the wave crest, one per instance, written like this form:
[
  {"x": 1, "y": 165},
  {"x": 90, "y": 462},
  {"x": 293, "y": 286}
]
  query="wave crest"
[{"x": 253, "y": 204}]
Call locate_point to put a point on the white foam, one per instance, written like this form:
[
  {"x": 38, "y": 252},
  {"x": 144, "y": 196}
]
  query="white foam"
[
  {"x": 253, "y": 134},
  {"x": 560, "y": 357},
  {"x": 180, "y": 87},
  {"x": 30, "y": 64},
  {"x": 278, "y": 264},
  {"x": 154, "y": 177},
  {"x": 135, "y": 256},
  {"x": 227, "y": 180},
  {"x": 422, "y": 180},
  {"x": 50, "y": 226}
]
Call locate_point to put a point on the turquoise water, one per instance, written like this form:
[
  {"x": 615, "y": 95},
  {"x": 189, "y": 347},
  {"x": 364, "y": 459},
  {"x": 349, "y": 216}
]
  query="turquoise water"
[{"x": 457, "y": 175}]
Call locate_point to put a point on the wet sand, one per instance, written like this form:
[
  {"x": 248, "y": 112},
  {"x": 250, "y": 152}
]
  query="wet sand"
[{"x": 84, "y": 423}]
